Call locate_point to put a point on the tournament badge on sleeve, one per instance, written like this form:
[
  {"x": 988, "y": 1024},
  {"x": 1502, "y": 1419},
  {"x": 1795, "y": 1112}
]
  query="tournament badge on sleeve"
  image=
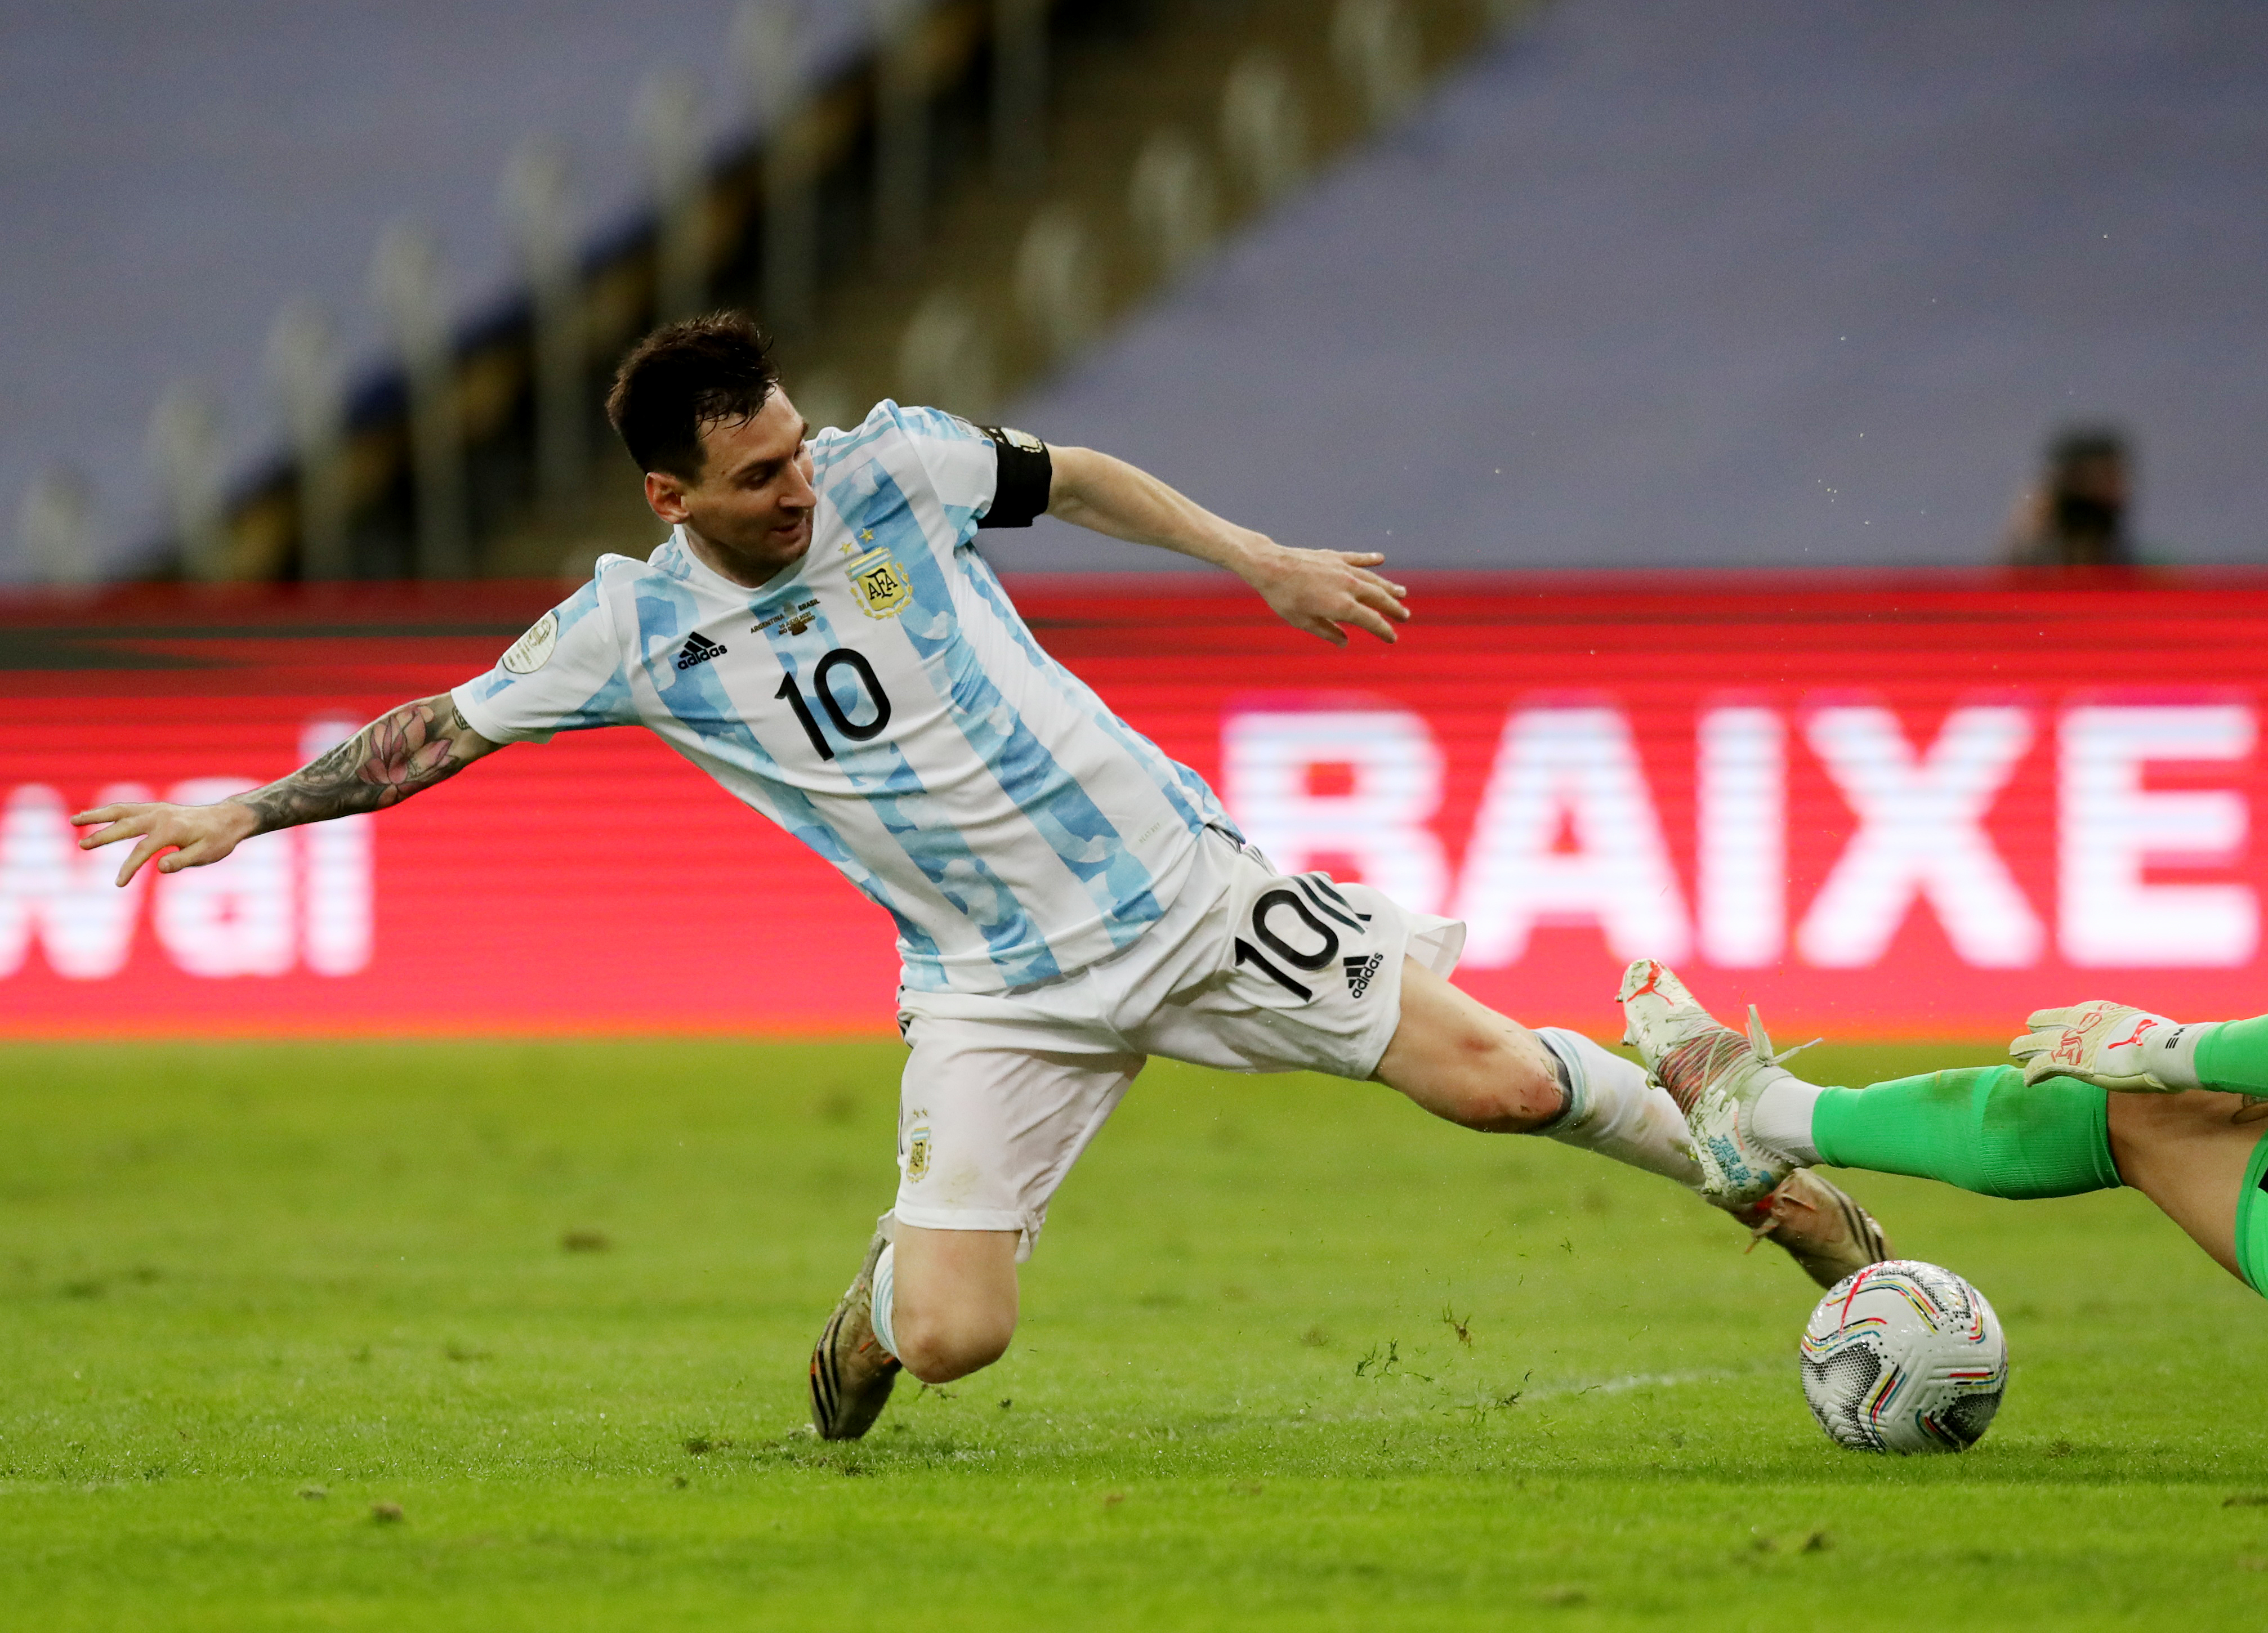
[
  {"x": 881, "y": 581},
  {"x": 533, "y": 650}
]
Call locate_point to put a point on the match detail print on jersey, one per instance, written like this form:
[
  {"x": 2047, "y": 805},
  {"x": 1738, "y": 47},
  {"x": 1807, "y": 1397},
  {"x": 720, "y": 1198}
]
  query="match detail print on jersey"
[{"x": 882, "y": 701}]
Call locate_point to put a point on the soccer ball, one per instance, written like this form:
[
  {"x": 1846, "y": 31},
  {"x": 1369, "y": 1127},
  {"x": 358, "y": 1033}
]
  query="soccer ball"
[{"x": 1904, "y": 1357}]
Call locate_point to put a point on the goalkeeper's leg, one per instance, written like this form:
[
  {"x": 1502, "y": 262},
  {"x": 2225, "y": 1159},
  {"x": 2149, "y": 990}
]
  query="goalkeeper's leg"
[
  {"x": 2194, "y": 1145},
  {"x": 2199, "y": 1157}
]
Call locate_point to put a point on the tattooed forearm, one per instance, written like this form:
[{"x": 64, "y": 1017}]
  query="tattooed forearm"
[{"x": 400, "y": 753}]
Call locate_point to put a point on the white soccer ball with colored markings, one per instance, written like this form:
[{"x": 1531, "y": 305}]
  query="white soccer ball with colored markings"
[{"x": 1904, "y": 1356}]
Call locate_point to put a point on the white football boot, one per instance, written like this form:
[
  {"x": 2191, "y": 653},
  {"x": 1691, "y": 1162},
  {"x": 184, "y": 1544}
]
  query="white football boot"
[
  {"x": 2112, "y": 1046},
  {"x": 1713, "y": 1073}
]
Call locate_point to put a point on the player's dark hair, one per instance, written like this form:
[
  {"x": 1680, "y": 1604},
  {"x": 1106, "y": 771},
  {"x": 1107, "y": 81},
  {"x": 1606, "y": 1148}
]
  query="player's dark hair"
[{"x": 683, "y": 378}]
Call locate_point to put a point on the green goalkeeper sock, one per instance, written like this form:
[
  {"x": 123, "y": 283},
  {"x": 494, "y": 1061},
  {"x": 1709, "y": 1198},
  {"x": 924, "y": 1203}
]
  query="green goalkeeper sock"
[
  {"x": 2233, "y": 1056},
  {"x": 1981, "y": 1127}
]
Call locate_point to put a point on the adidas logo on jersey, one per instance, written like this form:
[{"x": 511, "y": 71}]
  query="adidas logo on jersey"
[
  {"x": 1361, "y": 972},
  {"x": 698, "y": 650}
]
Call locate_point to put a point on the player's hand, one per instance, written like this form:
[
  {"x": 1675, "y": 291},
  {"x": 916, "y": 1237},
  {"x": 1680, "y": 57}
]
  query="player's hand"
[
  {"x": 2109, "y": 1045},
  {"x": 1323, "y": 591},
  {"x": 195, "y": 834}
]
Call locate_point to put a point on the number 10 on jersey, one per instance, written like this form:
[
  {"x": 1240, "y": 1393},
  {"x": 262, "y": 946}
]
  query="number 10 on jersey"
[{"x": 872, "y": 696}]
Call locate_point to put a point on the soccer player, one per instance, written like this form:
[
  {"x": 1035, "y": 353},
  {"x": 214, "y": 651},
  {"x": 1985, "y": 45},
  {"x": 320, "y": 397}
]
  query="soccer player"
[
  {"x": 820, "y": 635},
  {"x": 2107, "y": 1096}
]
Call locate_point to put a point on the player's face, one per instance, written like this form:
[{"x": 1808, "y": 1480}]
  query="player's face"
[{"x": 753, "y": 501}]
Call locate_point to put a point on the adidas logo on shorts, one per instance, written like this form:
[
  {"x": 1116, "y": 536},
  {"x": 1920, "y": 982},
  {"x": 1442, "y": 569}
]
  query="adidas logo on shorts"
[
  {"x": 698, "y": 650},
  {"x": 1361, "y": 972}
]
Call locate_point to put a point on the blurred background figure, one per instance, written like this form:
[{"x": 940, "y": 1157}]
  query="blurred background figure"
[{"x": 2076, "y": 514}]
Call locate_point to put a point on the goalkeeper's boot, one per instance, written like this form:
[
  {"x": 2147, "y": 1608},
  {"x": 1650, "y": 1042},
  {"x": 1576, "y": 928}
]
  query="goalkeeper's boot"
[
  {"x": 851, "y": 1372},
  {"x": 1823, "y": 1230},
  {"x": 1713, "y": 1073},
  {"x": 2112, "y": 1046}
]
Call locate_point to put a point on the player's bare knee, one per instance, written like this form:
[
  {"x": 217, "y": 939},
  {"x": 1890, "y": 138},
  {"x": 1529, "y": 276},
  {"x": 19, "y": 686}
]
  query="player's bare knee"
[
  {"x": 1505, "y": 1089},
  {"x": 1538, "y": 1094},
  {"x": 937, "y": 1348}
]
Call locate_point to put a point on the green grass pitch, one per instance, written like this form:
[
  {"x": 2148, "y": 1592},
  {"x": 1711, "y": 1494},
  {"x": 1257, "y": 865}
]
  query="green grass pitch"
[{"x": 503, "y": 1337}]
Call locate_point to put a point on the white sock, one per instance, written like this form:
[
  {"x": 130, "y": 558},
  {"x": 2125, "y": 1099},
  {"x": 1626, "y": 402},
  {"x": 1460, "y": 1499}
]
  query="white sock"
[
  {"x": 1781, "y": 1118},
  {"x": 1614, "y": 1111},
  {"x": 885, "y": 1279}
]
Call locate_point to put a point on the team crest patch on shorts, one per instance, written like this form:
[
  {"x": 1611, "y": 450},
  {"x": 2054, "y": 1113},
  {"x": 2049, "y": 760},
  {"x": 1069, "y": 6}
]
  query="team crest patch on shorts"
[
  {"x": 1361, "y": 972},
  {"x": 917, "y": 1146}
]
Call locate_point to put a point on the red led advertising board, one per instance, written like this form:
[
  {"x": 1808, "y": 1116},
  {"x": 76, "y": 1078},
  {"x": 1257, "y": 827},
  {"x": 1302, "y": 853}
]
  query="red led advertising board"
[{"x": 1897, "y": 805}]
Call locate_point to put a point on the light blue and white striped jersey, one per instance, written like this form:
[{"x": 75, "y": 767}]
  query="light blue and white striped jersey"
[{"x": 882, "y": 701}]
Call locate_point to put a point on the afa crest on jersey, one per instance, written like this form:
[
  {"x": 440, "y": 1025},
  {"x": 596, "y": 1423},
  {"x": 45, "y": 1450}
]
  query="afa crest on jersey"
[{"x": 882, "y": 586}]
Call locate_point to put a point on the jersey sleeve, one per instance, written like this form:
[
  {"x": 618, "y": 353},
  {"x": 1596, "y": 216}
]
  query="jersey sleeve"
[
  {"x": 961, "y": 467},
  {"x": 950, "y": 476},
  {"x": 565, "y": 674},
  {"x": 957, "y": 455}
]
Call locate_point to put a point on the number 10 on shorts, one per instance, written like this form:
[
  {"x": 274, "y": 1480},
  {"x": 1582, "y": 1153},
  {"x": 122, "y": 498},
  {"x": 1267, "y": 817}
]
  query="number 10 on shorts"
[{"x": 1296, "y": 927}]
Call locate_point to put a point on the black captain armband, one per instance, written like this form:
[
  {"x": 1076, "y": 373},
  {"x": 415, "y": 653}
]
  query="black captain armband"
[{"x": 1020, "y": 492}]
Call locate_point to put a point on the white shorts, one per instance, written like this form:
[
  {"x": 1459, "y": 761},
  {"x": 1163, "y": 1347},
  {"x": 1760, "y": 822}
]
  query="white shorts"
[{"x": 1250, "y": 970}]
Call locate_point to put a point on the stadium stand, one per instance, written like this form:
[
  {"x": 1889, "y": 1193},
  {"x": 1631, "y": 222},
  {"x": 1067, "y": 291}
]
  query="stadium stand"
[
  {"x": 262, "y": 155},
  {"x": 1736, "y": 281},
  {"x": 892, "y": 150},
  {"x": 1555, "y": 305},
  {"x": 175, "y": 177}
]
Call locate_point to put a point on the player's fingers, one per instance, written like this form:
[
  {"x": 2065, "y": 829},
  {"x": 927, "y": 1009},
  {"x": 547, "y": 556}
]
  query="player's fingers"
[
  {"x": 2030, "y": 1044},
  {"x": 1370, "y": 575},
  {"x": 129, "y": 828},
  {"x": 150, "y": 846},
  {"x": 1365, "y": 617},
  {"x": 1381, "y": 595},
  {"x": 1363, "y": 576},
  {"x": 101, "y": 813},
  {"x": 129, "y": 822},
  {"x": 191, "y": 849},
  {"x": 1361, "y": 558},
  {"x": 2038, "y": 1068},
  {"x": 1326, "y": 629},
  {"x": 2045, "y": 1020},
  {"x": 192, "y": 853}
]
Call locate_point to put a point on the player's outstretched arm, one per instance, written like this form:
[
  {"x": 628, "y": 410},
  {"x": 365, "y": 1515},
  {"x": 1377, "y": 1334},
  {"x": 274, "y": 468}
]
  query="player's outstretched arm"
[
  {"x": 1319, "y": 591},
  {"x": 401, "y": 753}
]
